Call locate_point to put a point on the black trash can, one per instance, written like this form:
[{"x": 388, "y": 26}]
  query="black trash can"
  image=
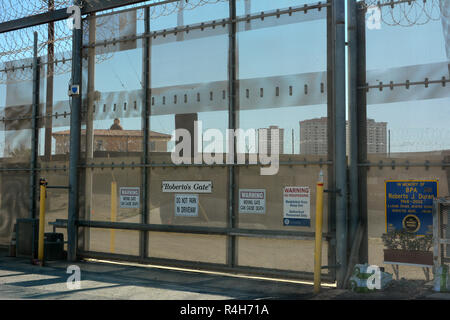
[{"x": 53, "y": 246}]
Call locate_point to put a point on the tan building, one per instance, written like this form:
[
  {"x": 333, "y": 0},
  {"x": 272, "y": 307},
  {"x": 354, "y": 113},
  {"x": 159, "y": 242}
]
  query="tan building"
[
  {"x": 114, "y": 140},
  {"x": 314, "y": 140}
]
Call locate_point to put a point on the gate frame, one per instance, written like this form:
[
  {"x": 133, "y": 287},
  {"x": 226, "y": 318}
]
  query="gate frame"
[{"x": 337, "y": 163}]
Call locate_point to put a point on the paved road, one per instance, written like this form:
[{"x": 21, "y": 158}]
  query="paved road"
[{"x": 21, "y": 280}]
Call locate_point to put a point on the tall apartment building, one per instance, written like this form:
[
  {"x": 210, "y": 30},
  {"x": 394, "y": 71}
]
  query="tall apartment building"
[
  {"x": 313, "y": 136},
  {"x": 376, "y": 136},
  {"x": 314, "y": 139},
  {"x": 266, "y": 139}
]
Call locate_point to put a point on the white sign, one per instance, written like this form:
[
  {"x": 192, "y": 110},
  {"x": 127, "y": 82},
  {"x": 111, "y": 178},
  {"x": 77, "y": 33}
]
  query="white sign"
[
  {"x": 296, "y": 206},
  {"x": 129, "y": 198},
  {"x": 252, "y": 201},
  {"x": 187, "y": 186},
  {"x": 186, "y": 205}
]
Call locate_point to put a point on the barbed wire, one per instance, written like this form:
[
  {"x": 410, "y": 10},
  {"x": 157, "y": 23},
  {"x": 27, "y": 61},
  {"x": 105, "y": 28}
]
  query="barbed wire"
[
  {"x": 17, "y": 45},
  {"x": 409, "y": 13}
]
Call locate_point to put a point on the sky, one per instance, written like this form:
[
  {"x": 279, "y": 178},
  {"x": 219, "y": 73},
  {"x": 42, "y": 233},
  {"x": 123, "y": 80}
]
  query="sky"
[{"x": 282, "y": 50}]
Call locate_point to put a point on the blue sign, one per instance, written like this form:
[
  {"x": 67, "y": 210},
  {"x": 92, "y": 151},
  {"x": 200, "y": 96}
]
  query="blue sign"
[{"x": 409, "y": 205}]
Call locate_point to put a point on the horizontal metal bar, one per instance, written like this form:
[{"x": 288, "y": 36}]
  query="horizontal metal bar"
[
  {"x": 406, "y": 164},
  {"x": 55, "y": 115},
  {"x": 408, "y": 264},
  {"x": 207, "y": 266},
  {"x": 13, "y": 69},
  {"x": 287, "y": 234},
  {"x": 392, "y": 4},
  {"x": 407, "y": 84},
  {"x": 61, "y": 14},
  {"x": 162, "y": 165},
  {"x": 35, "y": 169},
  {"x": 30, "y": 66},
  {"x": 172, "y": 165},
  {"x": 55, "y": 62},
  {"x": 101, "y": 15},
  {"x": 330, "y": 267},
  {"x": 15, "y": 169},
  {"x": 34, "y": 20},
  {"x": 209, "y": 24},
  {"x": 58, "y": 187},
  {"x": 444, "y": 241}
]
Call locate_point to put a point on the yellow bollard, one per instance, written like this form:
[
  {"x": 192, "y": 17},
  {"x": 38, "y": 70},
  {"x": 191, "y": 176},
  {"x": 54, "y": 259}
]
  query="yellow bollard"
[
  {"x": 319, "y": 223},
  {"x": 43, "y": 191},
  {"x": 112, "y": 239}
]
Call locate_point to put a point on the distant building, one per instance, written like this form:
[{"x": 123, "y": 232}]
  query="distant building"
[
  {"x": 265, "y": 139},
  {"x": 114, "y": 140},
  {"x": 314, "y": 136},
  {"x": 376, "y": 136}
]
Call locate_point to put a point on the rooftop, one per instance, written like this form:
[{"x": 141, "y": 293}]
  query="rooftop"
[{"x": 117, "y": 133}]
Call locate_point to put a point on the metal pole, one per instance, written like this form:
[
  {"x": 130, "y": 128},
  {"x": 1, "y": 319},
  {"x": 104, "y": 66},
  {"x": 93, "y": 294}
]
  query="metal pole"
[
  {"x": 353, "y": 119},
  {"x": 339, "y": 88},
  {"x": 330, "y": 137},
  {"x": 50, "y": 72},
  {"x": 43, "y": 192},
  {"x": 318, "y": 234},
  {"x": 34, "y": 128},
  {"x": 362, "y": 129},
  {"x": 75, "y": 130},
  {"x": 146, "y": 111},
  {"x": 90, "y": 129},
  {"x": 112, "y": 232},
  {"x": 232, "y": 102}
]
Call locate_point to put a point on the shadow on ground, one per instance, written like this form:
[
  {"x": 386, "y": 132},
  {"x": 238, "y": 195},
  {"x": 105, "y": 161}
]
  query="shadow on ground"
[{"x": 20, "y": 279}]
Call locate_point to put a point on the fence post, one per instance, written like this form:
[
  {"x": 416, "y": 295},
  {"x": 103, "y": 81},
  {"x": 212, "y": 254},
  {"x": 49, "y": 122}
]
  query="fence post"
[
  {"x": 318, "y": 234},
  {"x": 43, "y": 192},
  {"x": 233, "y": 99},
  {"x": 353, "y": 118},
  {"x": 361, "y": 120},
  {"x": 34, "y": 127},
  {"x": 146, "y": 113},
  {"x": 340, "y": 160},
  {"x": 75, "y": 131}
]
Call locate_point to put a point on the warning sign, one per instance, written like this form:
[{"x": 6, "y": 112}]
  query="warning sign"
[
  {"x": 129, "y": 197},
  {"x": 296, "y": 206},
  {"x": 186, "y": 205},
  {"x": 252, "y": 201}
]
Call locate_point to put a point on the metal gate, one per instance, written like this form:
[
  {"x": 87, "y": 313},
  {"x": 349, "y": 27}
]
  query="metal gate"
[
  {"x": 399, "y": 98},
  {"x": 197, "y": 69},
  {"x": 153, "y": 73}
]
